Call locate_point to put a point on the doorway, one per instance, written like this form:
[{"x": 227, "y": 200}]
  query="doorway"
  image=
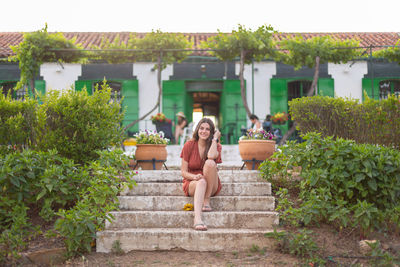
[{"x": 206, "y": 104}]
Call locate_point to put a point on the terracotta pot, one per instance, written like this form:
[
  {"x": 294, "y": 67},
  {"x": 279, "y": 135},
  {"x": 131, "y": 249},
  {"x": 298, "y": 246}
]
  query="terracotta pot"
[
  {"x": 256, "y": 149},
  {"x": 132, "y": 164},
  {"x": 150, "y": 152}
]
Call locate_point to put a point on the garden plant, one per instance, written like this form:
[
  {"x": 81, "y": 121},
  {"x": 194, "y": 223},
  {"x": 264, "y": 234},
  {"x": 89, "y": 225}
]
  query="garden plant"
[
  {"x": 59, "y": 173},
  {"x": 349, "y": 186}
]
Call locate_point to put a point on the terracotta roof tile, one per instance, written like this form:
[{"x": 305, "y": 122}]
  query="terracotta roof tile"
[{"x": 94, "y": 38}]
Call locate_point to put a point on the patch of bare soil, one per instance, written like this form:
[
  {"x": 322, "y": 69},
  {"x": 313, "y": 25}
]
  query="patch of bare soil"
[{"x": 339, "y": 249}]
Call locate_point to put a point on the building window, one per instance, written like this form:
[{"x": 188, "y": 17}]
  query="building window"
[
  {"x": 115, "y": 89},
  {"x": 389, "y": 87},
  {"x": 297, "y": 89},
  {"x": 9, "y": 87}
]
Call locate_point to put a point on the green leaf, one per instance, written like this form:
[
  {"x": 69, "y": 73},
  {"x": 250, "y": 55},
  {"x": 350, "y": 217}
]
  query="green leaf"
[
  {"x": 372, "y": 184},
  {"x": 41, "y": 194}
]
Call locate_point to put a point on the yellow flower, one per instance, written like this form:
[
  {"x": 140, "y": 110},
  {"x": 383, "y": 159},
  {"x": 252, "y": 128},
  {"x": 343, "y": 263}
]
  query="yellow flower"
[
  {"x": 130, "y": 142},
  {"x": 188, "y": 207}
]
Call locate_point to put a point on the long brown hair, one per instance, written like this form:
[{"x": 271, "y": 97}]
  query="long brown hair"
[{"x": 209, "y": 139}]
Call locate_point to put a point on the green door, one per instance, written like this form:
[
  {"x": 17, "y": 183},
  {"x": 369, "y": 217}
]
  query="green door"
[
  {"x": 130, "y": 103},
  {"x": 232, "y": 112},
  {"x": 175, "y": 98}
]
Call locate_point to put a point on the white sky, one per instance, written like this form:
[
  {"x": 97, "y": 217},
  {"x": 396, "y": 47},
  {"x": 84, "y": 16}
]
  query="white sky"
[{"x": 200, "y": 15}]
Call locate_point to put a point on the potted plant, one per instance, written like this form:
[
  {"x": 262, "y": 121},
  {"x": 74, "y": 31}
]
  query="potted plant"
[
  {"x": 163, "y": 124},
  {"x": 280, "y": 118},
  {"x": 255, "y": 147},
  {"x": 151, "y": 149}
]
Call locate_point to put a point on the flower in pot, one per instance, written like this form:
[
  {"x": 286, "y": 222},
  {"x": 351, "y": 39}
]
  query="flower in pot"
[
  {"x": 163, "y": 124},
  {"x": 151, "y": 151},
  {"x": 280, "y": 118},
  {"x": 160, "y": 117},
  {"x": 255, "y": 147}
]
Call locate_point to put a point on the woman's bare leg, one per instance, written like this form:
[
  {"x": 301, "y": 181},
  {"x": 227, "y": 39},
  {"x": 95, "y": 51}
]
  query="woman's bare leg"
[
  {"x": 197, "y": 189},
  {"x": 210, "y": 173}
]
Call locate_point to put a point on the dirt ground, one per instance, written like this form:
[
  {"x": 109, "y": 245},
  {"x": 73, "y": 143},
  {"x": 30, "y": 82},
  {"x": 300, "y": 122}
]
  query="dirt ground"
[{"x": 341, "y": 250}]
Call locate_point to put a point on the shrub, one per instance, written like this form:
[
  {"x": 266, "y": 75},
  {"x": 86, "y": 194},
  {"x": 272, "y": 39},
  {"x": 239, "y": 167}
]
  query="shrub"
[
  {"x": 18, "y": 120},
  {"x": 43, "y": 182},
  {"x": 43, "y": 179},
  {"x": 77, "y": 124},
  {"x": 298, "y": 244},
  {"x": 343, "y": 182},
  {"x": 372, "y": 122},
  {"x": 79, "y": 224}
]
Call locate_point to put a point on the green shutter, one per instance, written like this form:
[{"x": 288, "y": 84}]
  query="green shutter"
[
  {"x": 326, "y": 87},
  {"x": 279, "y": 95},
  {"x": 79, "y": 85},
  {"x": 130, "y": 103},
  {"x": 175, "y": 99},
  {"x": 232, "y": 113},
  {"x": 40, "y": 87},
  {"x": 367, "y": 87},
  {"x": 279, "y": 99}
]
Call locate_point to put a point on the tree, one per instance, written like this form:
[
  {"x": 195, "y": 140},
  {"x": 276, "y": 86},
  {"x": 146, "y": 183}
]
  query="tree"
[
  {"x": 313, "y": 52},
  {"x": 38, "y": 47},
  {"x": 390, "y": 53},
  {"x": 244, "y": 43},
  {"x": 115, "y": 51},
  {"x": 159, "y": 47}
]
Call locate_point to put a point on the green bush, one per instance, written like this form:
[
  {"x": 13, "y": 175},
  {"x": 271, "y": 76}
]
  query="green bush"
[
  {"x": 77, "y": 124},
  {"x": 79, "y": 224},
  {"x": 48, "y": 185},
  {"x": 342, "y": 182},
  {"x": 17, "y": 121},
  {"x": 372, "y": 122},
  {"x": 299, "y": 244},
  {"x": 43, "y": 179}
]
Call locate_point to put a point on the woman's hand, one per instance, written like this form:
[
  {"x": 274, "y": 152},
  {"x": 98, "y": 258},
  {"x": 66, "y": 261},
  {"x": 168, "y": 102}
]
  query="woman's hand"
[
  {"x": 198, "y": 177},
  {"x": 217, "y": 134}
]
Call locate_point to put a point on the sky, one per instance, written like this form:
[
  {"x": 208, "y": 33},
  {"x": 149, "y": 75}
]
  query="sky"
[{"x": 200, "y": 16}]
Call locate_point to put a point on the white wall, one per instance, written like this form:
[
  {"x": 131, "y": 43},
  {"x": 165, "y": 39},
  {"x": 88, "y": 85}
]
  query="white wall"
[
  {"x": 60, "y": 77},
  {"x": 148, "y": 90},
  {"x": 348, "y": 78},
  {"x": 263, "y": 72}
]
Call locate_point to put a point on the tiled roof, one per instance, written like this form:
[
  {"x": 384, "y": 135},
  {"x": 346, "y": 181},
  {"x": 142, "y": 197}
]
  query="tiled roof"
[{"x": 93, "y": 38}]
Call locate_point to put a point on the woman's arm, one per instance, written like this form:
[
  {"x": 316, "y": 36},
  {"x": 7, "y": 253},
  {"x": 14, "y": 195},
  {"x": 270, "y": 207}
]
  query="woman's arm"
[
  {"x": 186, "y": 174},
  {"x": 213, "y": 152}
]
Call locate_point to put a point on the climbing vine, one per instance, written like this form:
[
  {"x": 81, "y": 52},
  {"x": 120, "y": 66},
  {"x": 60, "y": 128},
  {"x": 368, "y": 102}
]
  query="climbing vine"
[
  {"x": 391, "y": 53},
  {"x": 312, "y": 52},
  {"x": 244, "y": 43},
  {"x": 38, "y": 47}
]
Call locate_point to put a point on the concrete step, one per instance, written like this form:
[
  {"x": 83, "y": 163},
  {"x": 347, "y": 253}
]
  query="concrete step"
[
  {"x": 227, "y": 240},
  {"x": 175, "y": 189},
  {"x": 218, "y": 203},
  {"x": 174, "y": 176},
  {"x": 184, "y": 219}
]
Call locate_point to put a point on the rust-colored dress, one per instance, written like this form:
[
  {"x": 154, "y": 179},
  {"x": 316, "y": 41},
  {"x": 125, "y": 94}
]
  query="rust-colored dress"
[{"x": 190, "y": 153}]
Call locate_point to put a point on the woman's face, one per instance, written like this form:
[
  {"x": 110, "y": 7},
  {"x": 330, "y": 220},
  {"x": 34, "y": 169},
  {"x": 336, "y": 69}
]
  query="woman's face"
[{"x": 204, "y": 131}]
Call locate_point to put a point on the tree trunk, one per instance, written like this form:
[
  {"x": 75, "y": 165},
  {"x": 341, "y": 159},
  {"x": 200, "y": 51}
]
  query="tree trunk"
[
  {"x": 242, "y": 87},
  {"x": 309, "y": 93},
  {"x": 32, "y": 85},
  {"x": 159, "y": 68}
]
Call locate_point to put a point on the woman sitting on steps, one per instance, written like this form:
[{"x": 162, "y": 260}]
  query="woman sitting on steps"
[{"x": 200, "y": 156}]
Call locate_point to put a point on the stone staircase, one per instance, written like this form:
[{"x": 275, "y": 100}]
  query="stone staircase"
[{"x": 152, "y": 216}]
